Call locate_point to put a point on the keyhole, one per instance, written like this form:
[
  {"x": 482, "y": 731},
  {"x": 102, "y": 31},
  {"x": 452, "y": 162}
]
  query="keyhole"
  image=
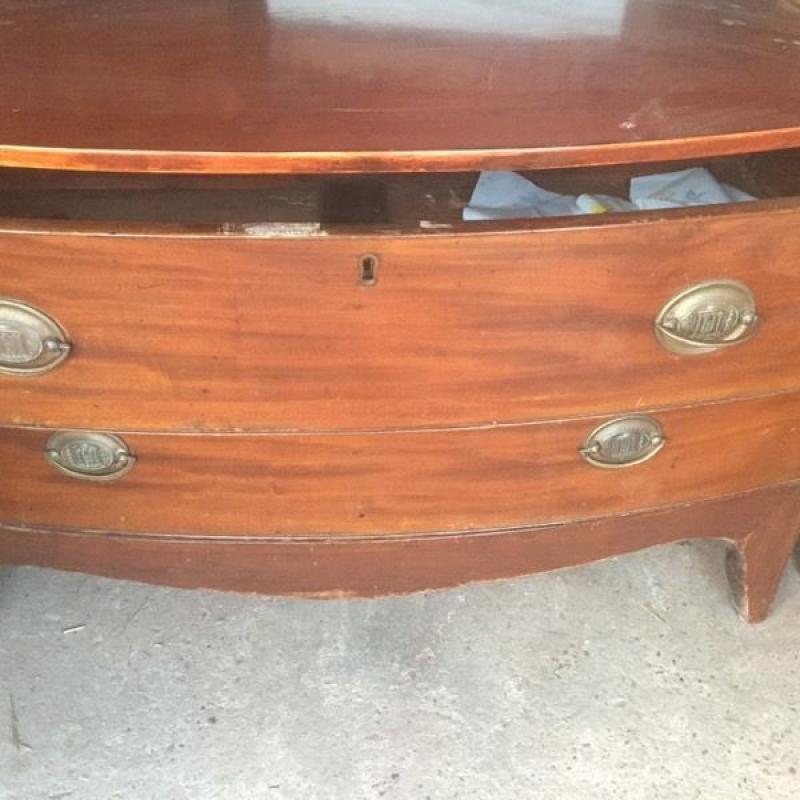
[{"x": 368, "y": 269}]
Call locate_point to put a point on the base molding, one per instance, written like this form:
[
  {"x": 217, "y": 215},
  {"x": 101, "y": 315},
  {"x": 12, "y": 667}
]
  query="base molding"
[{"x": 762, "y": 526}]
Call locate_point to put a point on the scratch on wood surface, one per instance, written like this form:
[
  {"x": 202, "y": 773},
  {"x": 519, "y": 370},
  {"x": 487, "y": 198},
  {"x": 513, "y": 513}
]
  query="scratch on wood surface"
[{"x": 490, "y": 77}]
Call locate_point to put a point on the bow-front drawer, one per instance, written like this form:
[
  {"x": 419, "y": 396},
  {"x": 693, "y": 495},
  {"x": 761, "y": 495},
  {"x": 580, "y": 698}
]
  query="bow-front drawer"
[
  {"x": 194, "y": 327},
  {"x": 425, "y": 482}
]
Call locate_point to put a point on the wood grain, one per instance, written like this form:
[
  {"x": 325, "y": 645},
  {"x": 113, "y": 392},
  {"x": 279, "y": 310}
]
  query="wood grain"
[
  {"x": 307, "y": 85},
  {"x": 233, "y": 332},
  {"x": 762, "y": 524},
  {"x": 425, "y": 483}
]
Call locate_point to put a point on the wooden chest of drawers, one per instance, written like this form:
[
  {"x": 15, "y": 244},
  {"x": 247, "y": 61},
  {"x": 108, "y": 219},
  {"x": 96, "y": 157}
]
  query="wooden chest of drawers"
[{"x": 247, "y": 343}]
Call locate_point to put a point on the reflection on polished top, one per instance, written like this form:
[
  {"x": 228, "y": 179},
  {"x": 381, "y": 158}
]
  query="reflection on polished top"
[
  {"x": 517, "y": 18},
  {"x": 357, "y": 85}
]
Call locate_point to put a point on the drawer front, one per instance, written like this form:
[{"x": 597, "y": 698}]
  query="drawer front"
[
  {"x": 235, "y": 333},
  {"x": 399, "y": 483}
]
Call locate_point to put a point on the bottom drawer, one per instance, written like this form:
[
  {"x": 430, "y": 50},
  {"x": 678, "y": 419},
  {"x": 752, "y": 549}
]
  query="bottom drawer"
[{"x": 422, "y": 482}]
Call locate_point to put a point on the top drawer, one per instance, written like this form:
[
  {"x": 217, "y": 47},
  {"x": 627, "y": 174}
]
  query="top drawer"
[{"x": 253, "y": 327}]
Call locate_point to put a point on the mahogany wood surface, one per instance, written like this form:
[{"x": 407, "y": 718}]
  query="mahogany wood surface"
[
  {"x": 340, "y": 85},
  {"x": 523, "y": 322},
  {"x": 762, "y": 525},
  {"x": 300, "y": 432},
  {"x": 428, "y": 482}
]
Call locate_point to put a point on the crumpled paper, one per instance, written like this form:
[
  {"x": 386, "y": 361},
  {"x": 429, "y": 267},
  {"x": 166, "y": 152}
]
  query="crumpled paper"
[{"x": 507, "y": 195}]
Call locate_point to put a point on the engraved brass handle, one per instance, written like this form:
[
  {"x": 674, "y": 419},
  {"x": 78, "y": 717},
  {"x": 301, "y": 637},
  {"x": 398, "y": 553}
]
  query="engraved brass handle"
[
  {"x": 31, "y": 342},
  {"x": 623, "y": 442},
  {"x": 707, "y": 317},
  {"x": 89, "y": 456}
]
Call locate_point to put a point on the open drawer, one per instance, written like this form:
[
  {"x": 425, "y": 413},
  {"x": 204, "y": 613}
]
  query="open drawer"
[{"x": 202, "y": 303}]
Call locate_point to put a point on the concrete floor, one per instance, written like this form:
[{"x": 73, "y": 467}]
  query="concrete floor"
[{"x": 626, "y": 679}]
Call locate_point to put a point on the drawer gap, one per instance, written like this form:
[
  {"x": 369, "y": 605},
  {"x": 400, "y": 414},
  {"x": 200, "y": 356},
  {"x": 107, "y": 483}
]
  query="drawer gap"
[{"x": 396, "y": 200}]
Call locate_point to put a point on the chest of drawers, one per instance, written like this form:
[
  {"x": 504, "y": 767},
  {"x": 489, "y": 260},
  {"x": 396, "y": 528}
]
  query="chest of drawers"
[{"x": 247, "y": 343}]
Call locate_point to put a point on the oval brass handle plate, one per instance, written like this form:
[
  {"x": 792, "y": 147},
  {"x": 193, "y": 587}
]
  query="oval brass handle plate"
[
  {"x": 623, "y": 442},
  {"x": 707, "y": 317},
  {"x": 89, "y": 456},
  {"x": 31, "y": 342}
]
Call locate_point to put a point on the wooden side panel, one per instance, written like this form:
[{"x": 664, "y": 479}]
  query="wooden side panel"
[
  {"x": 253, "y": 334},
  {"x": 400, "y": 483}
]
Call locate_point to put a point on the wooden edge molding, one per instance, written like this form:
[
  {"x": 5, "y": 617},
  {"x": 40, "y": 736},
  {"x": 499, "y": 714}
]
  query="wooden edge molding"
[
  {"x": 282, "y": 163},
  {"x": 127, "y": 229}
]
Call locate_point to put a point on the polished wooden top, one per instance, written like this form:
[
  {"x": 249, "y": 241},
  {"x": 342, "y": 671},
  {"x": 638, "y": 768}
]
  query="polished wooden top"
[{"x": 361, "y": 85}]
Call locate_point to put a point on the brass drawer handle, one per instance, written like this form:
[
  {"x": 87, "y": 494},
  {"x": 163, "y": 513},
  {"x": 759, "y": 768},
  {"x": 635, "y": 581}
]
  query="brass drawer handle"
[
  {"x": 623, "y": 442},
  {"x": 707, "y": 317},
  {"x": 89, "y": 456},
  {"x": 31, "y": 342}
]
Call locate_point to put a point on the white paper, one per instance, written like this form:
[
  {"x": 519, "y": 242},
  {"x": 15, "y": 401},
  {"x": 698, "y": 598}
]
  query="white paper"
[
  {"x": 689, "y": 187},
  {"x": 507, "y": 195}
]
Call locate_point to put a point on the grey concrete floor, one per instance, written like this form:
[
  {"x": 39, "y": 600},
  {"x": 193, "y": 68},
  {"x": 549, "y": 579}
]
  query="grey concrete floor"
[{"x": 631, "y": 678}]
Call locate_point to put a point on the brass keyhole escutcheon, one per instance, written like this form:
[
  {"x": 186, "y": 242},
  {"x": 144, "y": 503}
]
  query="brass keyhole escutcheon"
[{"x": 368, "y": 269}]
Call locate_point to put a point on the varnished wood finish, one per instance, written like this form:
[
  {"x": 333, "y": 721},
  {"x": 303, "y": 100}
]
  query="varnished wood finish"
[
  {"x": 313, "y": 85},
  {"x": 756, "y": 561},
  {"x": 762, "y": 525},
  {"x": 300, "y": 432},
  {"x": 400, "y": 483},
  {"x": 237, "y": 332}
]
